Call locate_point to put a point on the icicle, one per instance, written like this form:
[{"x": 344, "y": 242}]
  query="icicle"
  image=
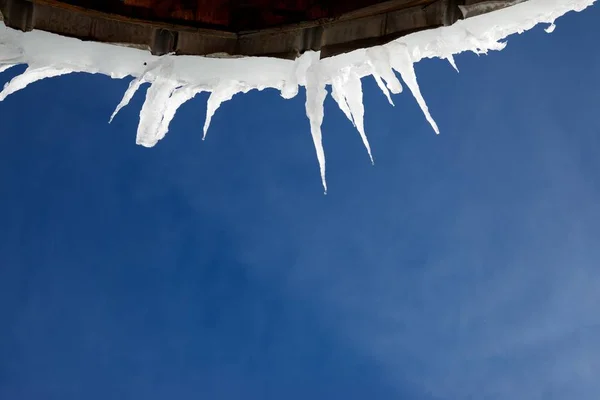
[
  {"x": 179, "y": 96},
  {"x": 32, "y": 74},
  {"x": 164, "y": 96},
  {"x": 347, "y": 92},
  {"x": 153, "y": 110},
  {"x": 450, "y": 59},
  {"x": 338, "y": 94},
  {"x": 382, "y": 87},
  {"x": 375, "y": 67},
  {"x": 4, "y": 67},
  {"x": 380, "y": 62},
  {"x": 354, "y": 98},
  {"x": 315, "y": 97},
  {"x": 223, "y": 92},
  {"x": 134, "y": 85},
  {"x": 174, "y": 80},
  {"x": 163, "y": 65},
  {"x": 401, "y": 62}
]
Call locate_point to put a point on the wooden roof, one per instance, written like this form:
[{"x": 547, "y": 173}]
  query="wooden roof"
[{"x": 278, "y": 28}]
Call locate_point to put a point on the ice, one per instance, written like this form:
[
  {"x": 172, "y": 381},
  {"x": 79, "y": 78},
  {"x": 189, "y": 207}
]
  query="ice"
[
  {"x": 224, "y": 91},
  {"x": 4, "y": 67},
  {"x": 163, "y": 98},
  {"x": 162, "y": 67},
  {"x": 31, "y": 75},
  {"x": 382, "y": 87},
  {"x": 348, "y": 94},
  {"x": 452, "y": 62},
  {"x": 297, "y": 74},
  {"x": 380, "y": 62},
  {"x": 337, "y": 92},
  {"x": 354, "y": 98},
  {"x": 153, "y": 111},
  {"x": 379, "y": 58},
  {"x": 315, "y": 97},
  {"x": 178, "y": 97},
  {"x": 401, "y": 61},
  {"x": 173, "y": 80},
  {"x": 134, "y": 85}
]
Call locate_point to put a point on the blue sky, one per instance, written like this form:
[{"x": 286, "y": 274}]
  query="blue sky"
[{"x": 460, "y": 266}]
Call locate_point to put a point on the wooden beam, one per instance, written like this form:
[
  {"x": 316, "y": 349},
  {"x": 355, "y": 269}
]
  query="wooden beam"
[{"x": 370, "y": 26}]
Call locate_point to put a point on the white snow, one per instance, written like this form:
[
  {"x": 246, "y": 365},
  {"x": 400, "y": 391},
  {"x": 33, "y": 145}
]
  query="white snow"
[{"x": 176, "y": 79}]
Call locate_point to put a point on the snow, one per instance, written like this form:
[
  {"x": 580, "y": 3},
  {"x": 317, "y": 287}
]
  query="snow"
[{"x": 174, "y": 80}]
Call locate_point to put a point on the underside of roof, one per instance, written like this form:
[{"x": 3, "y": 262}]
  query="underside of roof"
[{"x": 276, "y": 28}]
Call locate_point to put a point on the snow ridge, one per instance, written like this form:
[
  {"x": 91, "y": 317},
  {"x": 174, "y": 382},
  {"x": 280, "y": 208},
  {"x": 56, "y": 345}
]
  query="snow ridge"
[{"x": 174, "y": 80}]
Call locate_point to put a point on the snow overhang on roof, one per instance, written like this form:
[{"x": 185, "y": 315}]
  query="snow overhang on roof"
[{"x": 174, "y": 79}]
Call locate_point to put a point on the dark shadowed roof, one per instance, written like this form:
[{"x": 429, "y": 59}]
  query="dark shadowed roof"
[{"x": 279, "y": 28}]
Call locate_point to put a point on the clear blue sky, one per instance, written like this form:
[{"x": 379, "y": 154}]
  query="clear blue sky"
[{"x": 460, "y": 266}]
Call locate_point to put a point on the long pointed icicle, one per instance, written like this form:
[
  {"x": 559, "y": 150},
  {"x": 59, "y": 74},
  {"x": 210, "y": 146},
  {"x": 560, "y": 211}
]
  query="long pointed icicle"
[
  {"x": 315, "y": 98},
  {"x": 339, "y": 95},
  {"x": 222, "y": 93},
  {"x": 31, "y": 75},
  {"x": 133, "y": 87},
  {"x": 452, "y": 62},
  {"x": 348, "y": 94},
  {"x": 382, "y": 87},
  {"x": 354, "y": 97},
  {"x": 401, "y": 62}
]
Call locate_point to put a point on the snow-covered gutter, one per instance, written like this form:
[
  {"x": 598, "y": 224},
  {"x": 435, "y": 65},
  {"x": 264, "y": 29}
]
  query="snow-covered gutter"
[{"x": 176, "y": 79}]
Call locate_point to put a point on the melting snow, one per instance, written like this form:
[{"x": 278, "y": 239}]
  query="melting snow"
[{"x": 176, "y": 79}]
